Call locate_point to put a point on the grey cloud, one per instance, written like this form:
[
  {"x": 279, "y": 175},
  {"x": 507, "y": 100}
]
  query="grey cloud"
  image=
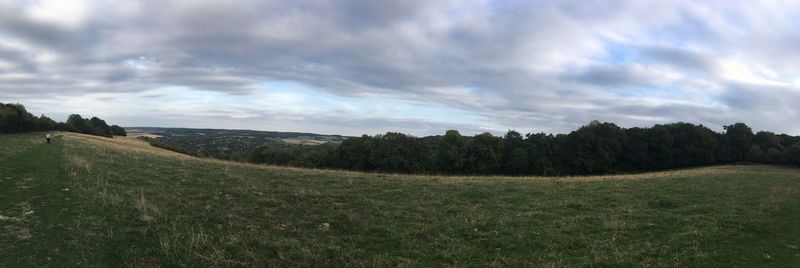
[
  {"x": 754, "y": 98},
  {"x": 617, "y": 76},
  {"x": 679, "y": 58},
  {"x": 39, "y": 33},
  {"x": 18, "y": 58}
]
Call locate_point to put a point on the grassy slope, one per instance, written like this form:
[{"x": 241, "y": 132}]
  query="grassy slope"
[{"x": 129, "y": 204}]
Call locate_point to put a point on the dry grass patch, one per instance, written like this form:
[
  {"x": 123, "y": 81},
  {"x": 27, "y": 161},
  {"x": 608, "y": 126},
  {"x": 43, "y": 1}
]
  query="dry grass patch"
[
  {"x": 19, "y": 231},
  {"x": 778, "y": 195},
  {"x": 148, "y": 212},
  {"x": 19, "y": 226},
  {"x": 121, "y": 144},
  {"x": 78, "y": 162}
]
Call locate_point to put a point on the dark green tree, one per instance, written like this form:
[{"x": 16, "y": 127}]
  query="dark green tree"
[
  {"x": 636, "y": 154},
  {"x": 538, "y": 153},
  {"x": 767, "y": 140},
  {"x": 515, "y": 155},
  {"x": 354, "y": 153},
  {"x": 756, "y": 154},
  {"x": 791, "y": 156},
  {"x": 118, "y": 131},
  {"x": 44, "y": 123},
  {"x": 773, "y": 156},
  {"x": 79, "y": 123},
  {"x": 484, "y": 154},
  {"x": 660, "y": 141},
  {"x": 516, "y": 161},
  {"x": 693, "y": 145},
  {"x": 397, "y": 152},
  {"x": 594, "y": 148},
  {"x": 99, "y": 127},
  {"x": 15, "y": 118},
  {"x": 739, "y": 137},
  {"x": 450, "y": 153}
]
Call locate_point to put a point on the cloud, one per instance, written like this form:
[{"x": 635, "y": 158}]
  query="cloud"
[
  {"x": 492, "y": 65},
  {"x": 626, "y": 75},
  {"x": 678, "y": 58}
]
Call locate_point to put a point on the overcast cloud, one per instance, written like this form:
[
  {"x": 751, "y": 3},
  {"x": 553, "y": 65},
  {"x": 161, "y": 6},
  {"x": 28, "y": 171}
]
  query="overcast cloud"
[{"x": 420, "y": 67}]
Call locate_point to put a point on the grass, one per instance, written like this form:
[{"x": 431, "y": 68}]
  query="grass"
[{"x": 88, "y": 201}]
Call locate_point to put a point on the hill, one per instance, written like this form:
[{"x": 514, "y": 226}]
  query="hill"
[
  {"x": 593, "y": 149},
  {"x": 92, "y": 201},
  {"x": 226, "y": 143}
]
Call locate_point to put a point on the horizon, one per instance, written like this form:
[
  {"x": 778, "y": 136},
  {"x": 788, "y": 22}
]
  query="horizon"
[
  {"x": 417, "y": 67},
  {"x": 444, "y": 132}
]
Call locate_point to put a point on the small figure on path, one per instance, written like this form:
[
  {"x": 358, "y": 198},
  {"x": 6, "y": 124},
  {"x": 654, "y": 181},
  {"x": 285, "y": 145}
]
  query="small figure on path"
[{"x": 48, "y": 138}]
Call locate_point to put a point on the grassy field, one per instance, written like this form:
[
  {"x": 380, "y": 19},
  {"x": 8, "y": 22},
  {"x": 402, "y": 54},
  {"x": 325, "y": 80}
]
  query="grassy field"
[{"x": 88, "y": 201}]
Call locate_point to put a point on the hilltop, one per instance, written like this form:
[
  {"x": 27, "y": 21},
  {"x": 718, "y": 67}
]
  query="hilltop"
[{"x": 93, "y": 201}]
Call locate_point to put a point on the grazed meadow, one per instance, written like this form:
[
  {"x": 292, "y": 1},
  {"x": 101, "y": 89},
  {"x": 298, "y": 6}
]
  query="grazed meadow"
[{"x": 92, "y": 201}]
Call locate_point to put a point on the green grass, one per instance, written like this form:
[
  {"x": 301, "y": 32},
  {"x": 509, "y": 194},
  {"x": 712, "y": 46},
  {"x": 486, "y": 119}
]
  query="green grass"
[{"x": 128, "y": 205}]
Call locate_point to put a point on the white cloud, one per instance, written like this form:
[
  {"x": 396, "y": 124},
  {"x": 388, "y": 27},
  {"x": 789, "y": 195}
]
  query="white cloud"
[
  {"x": 71, "y": 14},
  {"x": 739, "y": 72}
]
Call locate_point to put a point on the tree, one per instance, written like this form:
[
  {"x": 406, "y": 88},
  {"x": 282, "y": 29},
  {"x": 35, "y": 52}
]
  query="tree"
[
  {"x": 44, "y": 123},
  {"x": 538, "y": 153},
  {"x": 313, "y": 156},
  {"x": 767, "y": 140},
  {"x": 693, "y": 145},
  {"x": 118, "y": 131},
  {"x": 660, "y": 143},
  {"x": 515, "y": 157},
  {"x": 354, "y": 153},
  {"x": 397, "y": 152},
  {"x": 787, "y": 141},
  {"x": 635, "y": 153},
  {"x": 516, "y": 161},
  {"x": 756, "y": 154},
  {"x": 791, "y": 155},
  {"x": 484, "y": 154},
  {"x": 15, "y": 118},
  {"x": 450, "y": 153},
  {"x": 99, "y": 127},
  {"x": 561, "y": 155},
  {"x": 271, "y": 155},
  {"x": 773, "y": 156},
  {"x": 595, "y": 148},
  {"x": 93, "y": 126},
  {"x": 79, "y": 123},
  {"x": 739, "y": 137}
]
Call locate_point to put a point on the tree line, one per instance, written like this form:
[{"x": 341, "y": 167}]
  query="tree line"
[
  {"x": 14, "y": 118},
  {"x": 596, "y": 148}
]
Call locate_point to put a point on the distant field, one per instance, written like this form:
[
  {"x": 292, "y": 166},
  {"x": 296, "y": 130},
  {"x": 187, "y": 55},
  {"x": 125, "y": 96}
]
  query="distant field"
[
  {"x": 143, "y": 134},
  {"x": 304, "y": 141},
  {"x": 90, "y": 201}
]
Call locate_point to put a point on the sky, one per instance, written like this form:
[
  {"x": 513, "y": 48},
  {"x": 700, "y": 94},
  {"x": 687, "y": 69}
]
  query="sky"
[{"x": 418, "y": 67}]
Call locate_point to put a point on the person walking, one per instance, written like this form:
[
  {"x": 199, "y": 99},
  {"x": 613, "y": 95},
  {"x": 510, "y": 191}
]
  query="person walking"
[{"x": 48, "y": 138}]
